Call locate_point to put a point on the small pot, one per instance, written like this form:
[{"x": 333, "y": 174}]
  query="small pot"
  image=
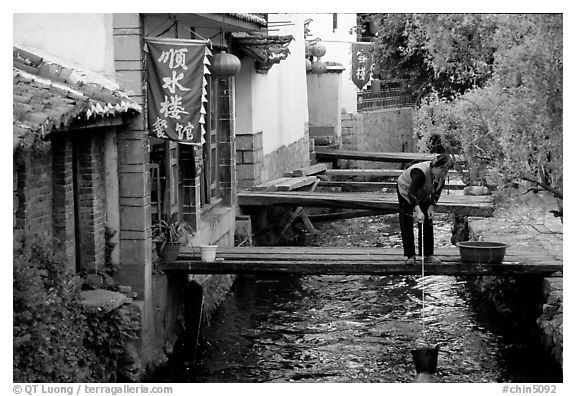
[{"x": 208, "y": 253}]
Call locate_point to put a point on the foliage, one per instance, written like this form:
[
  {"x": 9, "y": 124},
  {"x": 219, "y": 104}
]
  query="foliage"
[
  {"x": 110, "y": 246},
  {"x": 54, "y": 339},
  {"x": 46, "y": 302},
  {"x": 172, "y": 232},
  {"x": 110, "y": 332},
  {"x": 491, "y": 86},
  {"x": 444, "y": 53},
  {"x": 514, "y": 123}
]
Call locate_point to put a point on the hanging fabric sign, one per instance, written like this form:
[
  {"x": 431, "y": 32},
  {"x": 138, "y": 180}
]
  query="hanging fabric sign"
[
  {"x": 177, "y": 92},
  {"x": 361, "y": 64}
]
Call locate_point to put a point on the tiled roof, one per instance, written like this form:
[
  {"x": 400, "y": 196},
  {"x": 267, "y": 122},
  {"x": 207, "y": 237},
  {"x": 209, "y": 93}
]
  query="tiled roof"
[
  {"x": 250, "y": 17},
  {"x": 48, "y": 97}
]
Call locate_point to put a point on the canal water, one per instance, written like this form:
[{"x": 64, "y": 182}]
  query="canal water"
[{"x": 359, "y": 328}]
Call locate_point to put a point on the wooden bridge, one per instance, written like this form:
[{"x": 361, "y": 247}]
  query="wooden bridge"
[
  {"x": 385, "y": 203},
  {"x": 298, "y": 188},
  {"x": 301, "y": 260}
]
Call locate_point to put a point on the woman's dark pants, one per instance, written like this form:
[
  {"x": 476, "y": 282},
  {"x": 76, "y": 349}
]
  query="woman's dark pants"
[{"x": 407, "y": 229}]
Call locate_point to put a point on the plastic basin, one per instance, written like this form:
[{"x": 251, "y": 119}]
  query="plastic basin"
[{"x": 482, "y": 252}]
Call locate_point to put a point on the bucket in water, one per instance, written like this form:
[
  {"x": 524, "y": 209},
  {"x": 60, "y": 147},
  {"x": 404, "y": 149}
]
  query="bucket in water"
[
  {"x": 208, "y": 253},
  {"x": 426, "y": 359}
]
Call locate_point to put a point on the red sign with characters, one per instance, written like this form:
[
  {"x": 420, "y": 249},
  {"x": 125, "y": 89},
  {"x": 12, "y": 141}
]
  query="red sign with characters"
[{"x": 177, "y": 88}]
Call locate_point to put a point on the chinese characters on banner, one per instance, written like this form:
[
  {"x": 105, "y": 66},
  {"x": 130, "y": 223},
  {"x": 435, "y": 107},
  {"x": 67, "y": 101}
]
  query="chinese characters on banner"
[
  {"x": 177, "y": 89},
  {"x": 361, "y": 64}
]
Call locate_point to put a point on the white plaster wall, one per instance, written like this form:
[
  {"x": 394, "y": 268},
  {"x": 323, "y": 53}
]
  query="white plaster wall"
[
  {"x": 275, "y": 103},
  {"x": 82, "y": 40},
  {"x": 338, "y": 49}
]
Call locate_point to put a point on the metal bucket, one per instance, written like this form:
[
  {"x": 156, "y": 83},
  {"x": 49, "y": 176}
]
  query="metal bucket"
[{"x": 426, "y": 359}]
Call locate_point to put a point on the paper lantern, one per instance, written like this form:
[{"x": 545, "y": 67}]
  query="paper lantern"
[
  {"x": 225, "y": 65},
  {"x": 318, "y": 50},
  {"x": 319, "y": 67}
]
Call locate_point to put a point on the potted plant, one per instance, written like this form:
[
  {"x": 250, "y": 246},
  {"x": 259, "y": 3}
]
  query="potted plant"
[{"x": 169, "y": 237}]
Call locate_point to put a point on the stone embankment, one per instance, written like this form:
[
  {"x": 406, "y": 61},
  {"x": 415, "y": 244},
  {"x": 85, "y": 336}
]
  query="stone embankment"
[{"x": 524, "y": 219}]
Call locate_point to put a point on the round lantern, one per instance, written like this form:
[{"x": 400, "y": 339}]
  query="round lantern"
[
  {"x": 318, "y": 50},
  {"x": 319, "y": 67},
  {"x": 308, "y": 65},
  {"x": 225, "y": 65}
]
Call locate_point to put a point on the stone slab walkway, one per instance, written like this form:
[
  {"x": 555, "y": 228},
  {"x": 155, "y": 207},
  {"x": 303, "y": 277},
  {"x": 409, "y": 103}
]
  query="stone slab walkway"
[{"x": 525, "y": 220}]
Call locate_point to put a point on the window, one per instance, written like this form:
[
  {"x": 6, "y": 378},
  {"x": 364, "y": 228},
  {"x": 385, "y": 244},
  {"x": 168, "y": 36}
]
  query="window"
[
  {"x": 209, "y": 180},
  {"x": 173, "y": 169}
]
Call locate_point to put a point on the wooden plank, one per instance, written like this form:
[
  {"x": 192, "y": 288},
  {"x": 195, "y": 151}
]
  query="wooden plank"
[
  {"x": 270, "y": 185},
  {"x": 323, "y": 154},
  {"x": 375, "y": 186},
  {"x": 372, "y": 172},
  {"x": 460, "y": 204},
  {"x": 309, "y": 170},
  {"x": 350, "y": 214},
  {"x": 524, "y": 255},
  {"x": 328, "y": 267},
  {"x": 295, "y": 183}
]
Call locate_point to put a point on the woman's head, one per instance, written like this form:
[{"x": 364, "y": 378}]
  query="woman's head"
[
  {"x": 441, "y": 161},
  {"x": 440, "y": 165}
]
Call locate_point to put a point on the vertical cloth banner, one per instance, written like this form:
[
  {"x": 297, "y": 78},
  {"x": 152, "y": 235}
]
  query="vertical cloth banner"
[
  {"x": 176, "y": 70},
  {"x": 361, "y": 64}
]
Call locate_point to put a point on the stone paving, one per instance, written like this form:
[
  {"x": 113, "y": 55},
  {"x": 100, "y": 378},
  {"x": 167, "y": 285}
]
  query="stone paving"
[{"x": 525, "y": 220}]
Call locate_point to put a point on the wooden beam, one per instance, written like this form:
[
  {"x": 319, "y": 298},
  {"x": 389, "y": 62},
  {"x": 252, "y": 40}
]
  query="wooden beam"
[
  {"x": 295, "y": 183},
  {"x": 372, "y": 172},
  {"x": 375, "y": 186},
  {"x": 350, "y": 214},
  {"x": 309, "y": 170},
  {"x": 323, "y": 154},
  {"x": 270, "y": 185},
  {"x": 285, "y": 183},
  {"x": 461, "y": 204}
]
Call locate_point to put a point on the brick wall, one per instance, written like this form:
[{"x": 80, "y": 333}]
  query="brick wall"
[
  {"x": 63, "y": 199},
  {"x": 91, "y": 196},
  {"x": 45, "y": 199},
  {"x": 33, "y": 192}
]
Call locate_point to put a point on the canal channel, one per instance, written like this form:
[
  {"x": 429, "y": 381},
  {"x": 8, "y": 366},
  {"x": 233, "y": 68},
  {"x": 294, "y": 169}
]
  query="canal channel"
[{"x": 340, "y": 328}]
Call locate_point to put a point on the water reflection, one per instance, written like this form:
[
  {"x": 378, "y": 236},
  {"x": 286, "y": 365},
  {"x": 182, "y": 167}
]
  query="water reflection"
[{"x": 354, "y": 329}]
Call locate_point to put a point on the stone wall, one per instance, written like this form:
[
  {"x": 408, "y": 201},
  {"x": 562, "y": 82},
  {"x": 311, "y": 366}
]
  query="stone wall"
[
  {"x": 286, "y": 159},
  {"x": 253, "y": 167},
  {"x": 386, "y": 130},
  {"x": 249, "y": 159},
  {"x": 551, "y": 320}
]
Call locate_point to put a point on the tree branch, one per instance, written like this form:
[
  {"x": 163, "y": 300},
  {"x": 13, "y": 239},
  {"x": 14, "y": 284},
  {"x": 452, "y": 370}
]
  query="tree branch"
[{"x": 557, "y": 193}]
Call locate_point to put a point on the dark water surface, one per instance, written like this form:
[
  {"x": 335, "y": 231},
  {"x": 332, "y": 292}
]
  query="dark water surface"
[{"x": 357, "y": 329}]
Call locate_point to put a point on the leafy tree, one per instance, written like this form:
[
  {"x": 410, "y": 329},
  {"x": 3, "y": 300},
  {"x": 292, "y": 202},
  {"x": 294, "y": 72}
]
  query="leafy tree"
[
  {"x": 493, "y": 87},
  {"x": 444, "y": 53}
]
